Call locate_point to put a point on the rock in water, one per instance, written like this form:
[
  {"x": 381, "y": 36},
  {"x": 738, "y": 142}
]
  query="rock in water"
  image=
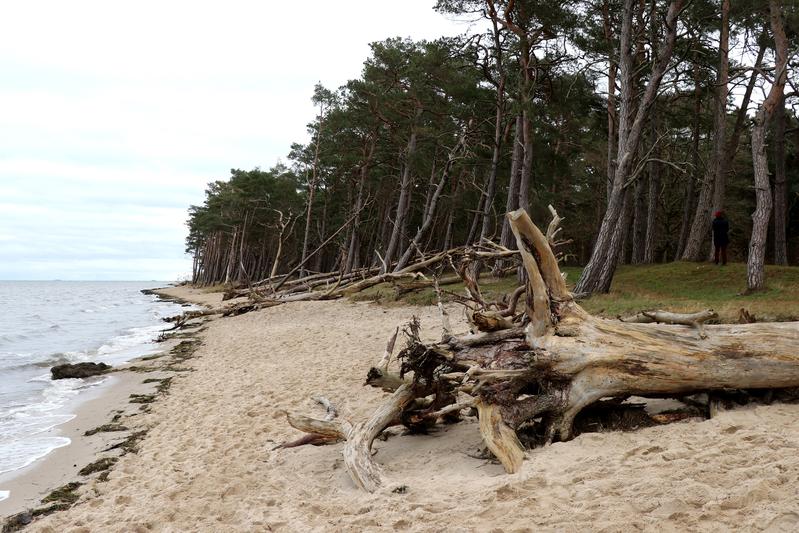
[{"x": 79, "y": 370}]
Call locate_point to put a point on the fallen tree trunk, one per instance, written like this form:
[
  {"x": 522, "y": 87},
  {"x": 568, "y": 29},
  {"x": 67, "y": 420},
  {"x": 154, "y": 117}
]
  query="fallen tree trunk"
[
  {"x": 569, "y": 359},
  {"x": 556, "y": 360},
  {"x": 401, "y": 288}
]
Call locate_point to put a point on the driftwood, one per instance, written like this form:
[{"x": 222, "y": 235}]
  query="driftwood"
[
  {"x": 379, "y": 375},
  {"x": 317, "y": 432},
  {"x": 281, "y": 289},
  {"x": 695, "y": 320},
  {"x": 555, "y": 360},
  {"x": 404, "y": 287},
  {"x": 745, "y": 317}
]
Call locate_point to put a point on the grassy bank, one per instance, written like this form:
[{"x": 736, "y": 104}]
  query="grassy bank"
[{"x": 674, "y": 286}]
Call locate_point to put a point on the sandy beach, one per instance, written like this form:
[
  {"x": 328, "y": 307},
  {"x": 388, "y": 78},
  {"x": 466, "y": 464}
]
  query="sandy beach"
[{"x": 208, "y": 464}]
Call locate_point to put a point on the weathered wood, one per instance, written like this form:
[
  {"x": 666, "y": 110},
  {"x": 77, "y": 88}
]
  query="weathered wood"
[
  {"x": 490, "y": 321},
  {"x": 446, "y": 327},
  {"x": 379, "y": 376},
  {"x": 358, "y": 461},
  {"x": 569, "y": 359},
  {"x": 695, "y": 320},
  {"x": 331, "y": 429},
  {"x": 330, "y": 410},
  {"x": 499, "y": 438},
  {"x": 405, "y": 287}
]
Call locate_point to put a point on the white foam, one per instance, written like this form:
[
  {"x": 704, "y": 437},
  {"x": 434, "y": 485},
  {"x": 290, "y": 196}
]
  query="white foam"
[
  {"x": 21, "y": 453},
  {"x": 4, "y": 494}
]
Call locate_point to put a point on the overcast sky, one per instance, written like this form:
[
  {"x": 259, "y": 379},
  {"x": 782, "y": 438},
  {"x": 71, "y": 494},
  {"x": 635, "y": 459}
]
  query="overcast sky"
[{"x": 114, "y": 116}]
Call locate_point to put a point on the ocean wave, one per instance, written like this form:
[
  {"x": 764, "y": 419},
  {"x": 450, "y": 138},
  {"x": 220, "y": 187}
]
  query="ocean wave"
[
  {"x": 12, "y": 337},
  {"x": 28, "y": 421},
  {"x": 60, "y": 358},
  {"x": 19, "y": 454}
]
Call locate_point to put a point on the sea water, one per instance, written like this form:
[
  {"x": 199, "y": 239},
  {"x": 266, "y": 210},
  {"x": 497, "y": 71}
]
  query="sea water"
[{"x": 45, "y": 323}]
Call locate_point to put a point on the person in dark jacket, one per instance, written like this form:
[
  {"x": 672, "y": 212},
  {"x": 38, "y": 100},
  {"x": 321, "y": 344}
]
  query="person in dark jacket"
[{"x": 721, "y": 238}]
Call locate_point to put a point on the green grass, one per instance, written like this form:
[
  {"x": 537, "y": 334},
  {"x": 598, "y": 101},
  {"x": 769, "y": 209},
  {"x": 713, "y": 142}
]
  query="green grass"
[
  {"x": 679, "y": 287},
  {"x": 694, "y": 286}
]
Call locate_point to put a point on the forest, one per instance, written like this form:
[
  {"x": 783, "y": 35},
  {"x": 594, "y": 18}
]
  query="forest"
[{"x": 636, "y": 119}]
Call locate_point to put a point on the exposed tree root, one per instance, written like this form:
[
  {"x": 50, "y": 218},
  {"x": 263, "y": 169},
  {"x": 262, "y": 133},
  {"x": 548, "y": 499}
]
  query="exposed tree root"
[{"x": 532, "y": 373}]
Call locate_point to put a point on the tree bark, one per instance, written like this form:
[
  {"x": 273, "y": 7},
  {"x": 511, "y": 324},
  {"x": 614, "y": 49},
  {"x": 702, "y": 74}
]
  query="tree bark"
[
  {"x": 688, "y": 206},
  {"x": 780, "y": 186},
  {"x": 722, "y": 157},
  {"x": 472, "y": 235},
  {"x": 403, "y": 202},
  {"x": 430, "y": 211},
  {"x": 713, "y": 184},
  {"x": 651, "y": 235},
  {"x": 755, "y": 269},
  {"x": 638, "y": 231},
  {"x": 526, "y": 178},
  {"x": 312, "y": 188},
  {"x": 612, "y": 116},
  {"x": 512, "y": 201},
  {"x": 499, "y": 115},
  {"x": 352, "y": 251},
  {"x": 598, "y": 273}
]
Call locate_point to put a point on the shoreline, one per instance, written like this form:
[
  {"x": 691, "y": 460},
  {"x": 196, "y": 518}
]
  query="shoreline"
[
  {"x": 96, "y": 407},
  {"x": 28, "y": 485}
]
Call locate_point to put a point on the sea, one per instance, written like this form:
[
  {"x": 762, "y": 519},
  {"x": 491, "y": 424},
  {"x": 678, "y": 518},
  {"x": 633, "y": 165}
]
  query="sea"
[{"x": 46, "y": 323}]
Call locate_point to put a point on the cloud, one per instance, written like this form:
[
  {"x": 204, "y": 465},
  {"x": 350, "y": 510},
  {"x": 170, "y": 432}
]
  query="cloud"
[{"x": 114, "y": 116}]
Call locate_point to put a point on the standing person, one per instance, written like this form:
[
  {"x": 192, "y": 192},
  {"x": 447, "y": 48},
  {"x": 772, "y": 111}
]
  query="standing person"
[{"x": 721, "y": 238}]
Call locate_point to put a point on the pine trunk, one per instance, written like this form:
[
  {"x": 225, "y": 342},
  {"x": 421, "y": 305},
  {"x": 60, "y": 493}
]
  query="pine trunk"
[
  {"x": 526, "y": 178},
  {"x": 755, "y": 269},
  {"x": 496, "y": 153},
  {"x": 713, "y": 184},
  {"x": 430, "y": 208},
  {"x": 638, "y": 230},
  {"x": 688, "y": 206},
  {"x": 598, "y": 273},
  {"x": 651, "y": 235},
  {"x": 780, "y": 186},
  {"x": 512, "y": 201},
  {"x": 352, "y": 251},
  {"x": 403, "y": 201}
]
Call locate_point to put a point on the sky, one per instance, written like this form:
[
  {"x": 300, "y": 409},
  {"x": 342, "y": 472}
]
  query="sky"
[{"x": 115, "y": 115}]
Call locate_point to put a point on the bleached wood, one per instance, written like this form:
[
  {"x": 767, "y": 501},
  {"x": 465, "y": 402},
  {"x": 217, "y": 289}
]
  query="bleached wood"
[
  {"x": 500, "y": 438},
  {"x": 358, "y": 461}
]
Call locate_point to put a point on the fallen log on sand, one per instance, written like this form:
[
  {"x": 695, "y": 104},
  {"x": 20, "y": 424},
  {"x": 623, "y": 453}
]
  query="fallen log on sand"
[{"x": 556, "y": 360}]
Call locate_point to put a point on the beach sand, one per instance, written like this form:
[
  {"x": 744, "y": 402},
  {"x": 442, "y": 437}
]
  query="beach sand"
[{"x": 208, "y": 464}]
